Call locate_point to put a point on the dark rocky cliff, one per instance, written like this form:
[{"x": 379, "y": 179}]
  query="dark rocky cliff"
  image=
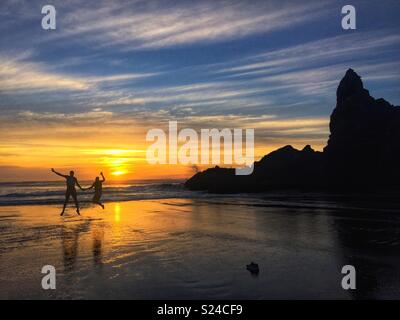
[
  {"x": 363, "y": 151},
  {"x": 364, "y": 145}
]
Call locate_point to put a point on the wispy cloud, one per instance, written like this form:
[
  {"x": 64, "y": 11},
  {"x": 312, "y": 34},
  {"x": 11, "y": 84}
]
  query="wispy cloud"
[
  {"x": 91, "y": 116},
  {"x": 19, "y": 74},
  {"x": 314, "y": 68},
  {"x": 16, "y": 74},
  {"x": 158, "y": 24},
  {"x": 317, "y": 52}
]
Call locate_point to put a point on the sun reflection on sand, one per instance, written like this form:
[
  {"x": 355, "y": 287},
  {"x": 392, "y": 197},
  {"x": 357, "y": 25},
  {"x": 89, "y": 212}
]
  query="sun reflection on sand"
[{"x": 117, "y": 213}]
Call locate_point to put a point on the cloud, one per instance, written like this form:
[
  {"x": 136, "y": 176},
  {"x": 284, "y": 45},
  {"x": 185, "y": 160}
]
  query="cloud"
[
  {"x": 314, "y": 68},
  {"x": 119, "y": 77},
  {"x": 152, "y": 25},
  {"x": 317, "y": 52},
  {"x": 20, "y": 74},
  {"x": 17, "y": 74},
  {"x": 195, "y": 96},
  {"x": 52, "y": 116},
  {"x": 283, "y": 78}
]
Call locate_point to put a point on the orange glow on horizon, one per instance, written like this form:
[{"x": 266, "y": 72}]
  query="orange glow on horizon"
[{"x": 29, "y": 150}]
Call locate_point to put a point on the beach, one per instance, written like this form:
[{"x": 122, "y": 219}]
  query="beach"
[{"x": 198, "y": 248}]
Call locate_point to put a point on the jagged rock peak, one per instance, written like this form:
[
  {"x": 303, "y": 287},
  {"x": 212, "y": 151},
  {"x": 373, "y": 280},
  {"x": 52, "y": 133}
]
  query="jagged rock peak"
[
  {"x": 349, "y": 85},
  {"x": 308, "y": 148},
  {"x": 287, "y": 148}
]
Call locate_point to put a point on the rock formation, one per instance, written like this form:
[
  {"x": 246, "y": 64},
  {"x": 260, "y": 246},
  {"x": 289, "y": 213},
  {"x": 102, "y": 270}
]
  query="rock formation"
[
  {"x": 364, "y": 145},
  {"x": 363, "y": 151}
]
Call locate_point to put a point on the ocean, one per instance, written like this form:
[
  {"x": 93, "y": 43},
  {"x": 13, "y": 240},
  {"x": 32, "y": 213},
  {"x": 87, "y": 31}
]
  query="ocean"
[{"x": 53, "y": 192}]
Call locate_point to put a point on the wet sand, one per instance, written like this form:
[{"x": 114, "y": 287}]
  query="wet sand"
[{"x": 192, "y": 249}]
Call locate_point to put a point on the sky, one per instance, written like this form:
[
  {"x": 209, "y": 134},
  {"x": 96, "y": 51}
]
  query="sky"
[{"x": 83, "y": 96}]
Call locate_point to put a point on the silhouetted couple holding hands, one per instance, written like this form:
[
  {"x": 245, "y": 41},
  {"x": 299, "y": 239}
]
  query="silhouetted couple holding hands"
[{"x": 72, "y": 181}]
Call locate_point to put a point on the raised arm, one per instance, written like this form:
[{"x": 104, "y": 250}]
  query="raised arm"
[
  {"x": 102, "y": 175},
  {"x": 57, "y": 173}
]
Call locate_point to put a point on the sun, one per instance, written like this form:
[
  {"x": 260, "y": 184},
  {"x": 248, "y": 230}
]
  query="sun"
[
  {"x": 119, "y": 172},
  {"x": 117, "y": 161}
]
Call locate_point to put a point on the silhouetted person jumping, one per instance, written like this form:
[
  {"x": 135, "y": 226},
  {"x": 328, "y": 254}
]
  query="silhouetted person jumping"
[
  {"x": 98, "y": 189},
  {"x": 71, "y": 191}
]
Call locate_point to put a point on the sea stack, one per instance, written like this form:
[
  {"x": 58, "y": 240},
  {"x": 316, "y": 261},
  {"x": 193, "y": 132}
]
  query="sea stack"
[{"x": 364, "y": 145}]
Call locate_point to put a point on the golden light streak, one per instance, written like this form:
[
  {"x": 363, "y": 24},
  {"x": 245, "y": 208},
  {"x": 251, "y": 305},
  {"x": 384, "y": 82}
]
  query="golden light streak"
[{"x": 117, "y": 213}]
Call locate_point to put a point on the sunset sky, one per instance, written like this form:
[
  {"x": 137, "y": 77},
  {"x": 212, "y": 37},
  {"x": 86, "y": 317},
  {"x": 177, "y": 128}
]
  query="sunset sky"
[{"x": 84, "y": 95}]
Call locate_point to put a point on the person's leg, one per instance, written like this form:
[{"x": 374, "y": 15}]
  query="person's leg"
[
  {"x": 67, "y": 195},
  {"x": 75, "y": 196},
  {"x": 100, "y": 204},
  {"x": 96, "y": 200}
]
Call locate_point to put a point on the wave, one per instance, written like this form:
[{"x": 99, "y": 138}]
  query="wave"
[{"x": 53, "y": 193}]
